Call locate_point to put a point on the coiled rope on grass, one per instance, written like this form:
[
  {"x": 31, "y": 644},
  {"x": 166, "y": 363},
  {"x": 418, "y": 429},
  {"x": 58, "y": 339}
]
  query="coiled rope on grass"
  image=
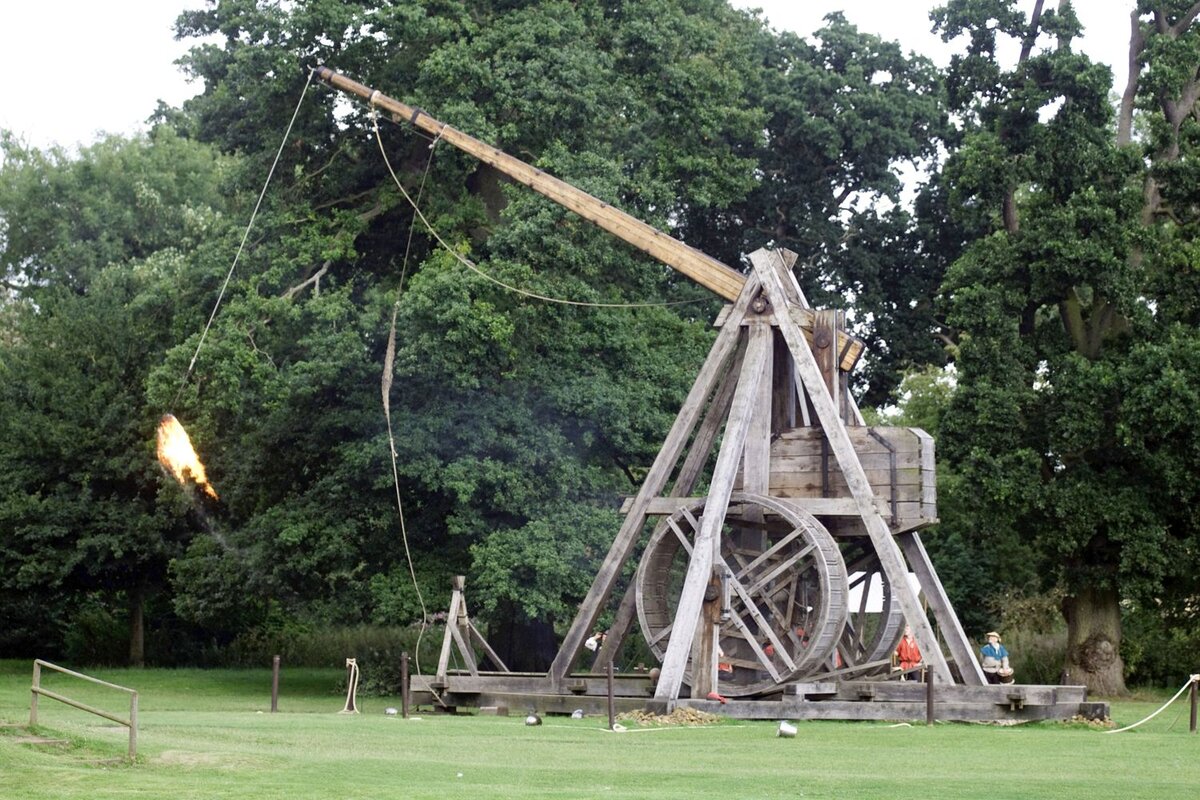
[{"x": 1191, "y": 680}]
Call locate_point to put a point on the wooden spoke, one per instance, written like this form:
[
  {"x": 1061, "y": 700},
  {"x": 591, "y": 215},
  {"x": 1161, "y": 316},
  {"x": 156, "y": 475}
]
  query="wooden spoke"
[
  {"x": 786, "y": 585},
  {"x": 871, "y": 635}
]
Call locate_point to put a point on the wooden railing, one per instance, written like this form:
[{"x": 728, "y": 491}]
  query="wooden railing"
[{"x": 37, "y": 691}]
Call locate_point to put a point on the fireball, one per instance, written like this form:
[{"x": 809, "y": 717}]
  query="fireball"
[{"x": 177, "y": 455}]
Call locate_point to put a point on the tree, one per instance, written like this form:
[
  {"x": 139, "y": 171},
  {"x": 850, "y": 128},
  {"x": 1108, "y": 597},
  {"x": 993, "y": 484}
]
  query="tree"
[
  {"x": 514, "y": 417},
  {"x": 507, "y": 411},
  {"x": 846, "y": 112},
  {"x": 65, "y": 218},
  {"x": 1063, "y": 290},
  {"x": 84, "y": 511}
]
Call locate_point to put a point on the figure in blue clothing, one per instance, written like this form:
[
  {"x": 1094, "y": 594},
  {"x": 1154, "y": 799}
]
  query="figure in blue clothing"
[{"x": 994, "y": 660}]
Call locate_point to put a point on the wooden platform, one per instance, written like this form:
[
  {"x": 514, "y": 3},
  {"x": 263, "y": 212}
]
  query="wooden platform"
[{"x": 834, "y": 700}]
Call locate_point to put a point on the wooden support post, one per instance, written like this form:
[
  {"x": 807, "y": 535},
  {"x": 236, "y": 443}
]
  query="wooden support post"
[
  {"x": 824, "y": 350},
  {"x": 1192, "y": 723},
  {"x": 627, "y": 538},
  {"x": 685, "y": 481},
  {"x": 275, "y": 684},
  {"x": 405, "y": 689},
  {"x": 612, "y": 703},
  {"x": 935, "y": 594},
  {"x": 928, "y": 696},
  {"x": 33, "y": 702},
  {"x": 890, "y": 557},
  {"x": 708, "y": 537},
  {"x": 133, "y": 725}
]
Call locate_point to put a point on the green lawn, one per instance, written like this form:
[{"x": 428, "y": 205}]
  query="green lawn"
[{"x": 205, "y": 734}]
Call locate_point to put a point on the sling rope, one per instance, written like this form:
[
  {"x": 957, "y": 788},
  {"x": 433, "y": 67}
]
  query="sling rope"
[
  {"x": 386, "y": 388},
  {"x": 278, "y": 153},
  {"x": 466, "y": 262},
  {"x": 1192, "y": 679}
]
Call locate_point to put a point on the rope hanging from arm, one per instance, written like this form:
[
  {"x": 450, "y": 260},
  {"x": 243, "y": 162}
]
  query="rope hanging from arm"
[
  {"x": 246, "y": 235},
  {"x": 466, "y": 262}
]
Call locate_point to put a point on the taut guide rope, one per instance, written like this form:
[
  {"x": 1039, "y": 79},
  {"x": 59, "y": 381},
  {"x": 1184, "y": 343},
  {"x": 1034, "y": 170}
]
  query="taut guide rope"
[{"x": 249, "y": 225}]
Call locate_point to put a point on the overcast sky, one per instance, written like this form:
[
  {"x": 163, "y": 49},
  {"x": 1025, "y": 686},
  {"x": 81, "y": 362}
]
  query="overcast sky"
[{"x": 75, "y": 68}]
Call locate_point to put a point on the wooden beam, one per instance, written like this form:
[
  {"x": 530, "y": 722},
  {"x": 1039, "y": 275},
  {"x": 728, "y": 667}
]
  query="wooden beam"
[
  {"x": 708, "y": 539},
  {"x": 756, "y": 471},
  {"x": 700, "y": 267},
  {"x": 817, "y": 506},
  {"x": 890, "y": 557},
  {"x": 452, "y": 615},
  {"x": 660, "y": 471},
  {"x": 939, "y": 602}
]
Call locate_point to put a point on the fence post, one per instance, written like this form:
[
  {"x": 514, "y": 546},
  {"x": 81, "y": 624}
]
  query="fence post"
[
  {"x": 929, "y": 675},
  {"x": 133, "y": 725},
  {"x": 37, "y": 684},
  {"x": 1193, "y": 715},
  {"x": 404, "y": 690},
  {"x": 612, "y": 715},
  {"x": 275, "y": 684}
]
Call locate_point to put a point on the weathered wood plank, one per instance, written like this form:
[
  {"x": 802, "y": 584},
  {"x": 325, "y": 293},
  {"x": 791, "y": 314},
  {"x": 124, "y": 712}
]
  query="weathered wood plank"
[
  {"x": 807, "y": 439},
  {"x": 707, "y": 540},
  {"x": 660, "y": 471},
  {"x": 811, "y": 483},
  {"x": 756, "y": 471},
  {"x": 912, "y": 691},
  {"x": 890, "y": 557},
  {"x": 808, "y": 459},
  {"x": 908, "y": 513},
  {"x": 448, "y": 637},
  {"x": 624, "y": 684},
  {"x": 796, "y": 709},
  {"x": 939, "y": 602},
  {"x": 817, "y": 506}
]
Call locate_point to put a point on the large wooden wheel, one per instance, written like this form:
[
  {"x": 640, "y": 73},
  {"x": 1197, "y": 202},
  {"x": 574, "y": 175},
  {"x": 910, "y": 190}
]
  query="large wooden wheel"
[
  {"x": 870, "y": 636},
  {"x": 785, "y": 584}
]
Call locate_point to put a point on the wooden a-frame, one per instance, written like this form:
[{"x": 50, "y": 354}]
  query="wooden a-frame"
[
  {"x": 732, "y": 396},
  {"x": 463, "y": 634}
]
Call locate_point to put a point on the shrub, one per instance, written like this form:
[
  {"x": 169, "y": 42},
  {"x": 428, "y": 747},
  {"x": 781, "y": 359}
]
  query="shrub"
[
  {"x": 95, "y": 636},
  {"x": 376, "y": 648},
  {"x": 1158, "y": 650},
  {"x": 1034, "y": 633}
]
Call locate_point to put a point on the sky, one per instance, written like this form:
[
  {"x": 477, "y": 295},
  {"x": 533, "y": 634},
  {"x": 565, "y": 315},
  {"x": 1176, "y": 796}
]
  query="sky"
[{"x": 76, "y": 68}]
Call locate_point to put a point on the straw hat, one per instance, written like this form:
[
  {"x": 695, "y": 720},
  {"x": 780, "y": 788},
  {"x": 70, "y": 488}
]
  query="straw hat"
[{"x": 990, "y": 634}]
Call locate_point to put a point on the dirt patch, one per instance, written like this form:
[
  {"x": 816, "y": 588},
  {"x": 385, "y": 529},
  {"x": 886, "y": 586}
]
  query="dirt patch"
[
  {"x": 1079, "y": 719},
  {"x": 680, "y": 716},
  {"x": 42, "y": 741}
]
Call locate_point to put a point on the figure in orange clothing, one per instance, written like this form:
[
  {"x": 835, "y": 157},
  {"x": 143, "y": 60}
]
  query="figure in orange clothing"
[{"x": 908, "y": 653}]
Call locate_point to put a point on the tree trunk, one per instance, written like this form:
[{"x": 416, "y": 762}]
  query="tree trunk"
[
  {"x": 137, "y": 628},
  {"x": 1094, "y": 642}
]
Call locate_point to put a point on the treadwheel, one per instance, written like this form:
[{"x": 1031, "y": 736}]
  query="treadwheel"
[{"x": 785, "y": 583}]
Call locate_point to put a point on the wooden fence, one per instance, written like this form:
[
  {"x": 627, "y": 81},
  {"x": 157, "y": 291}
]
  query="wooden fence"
[{"x": 37, "y": 691}]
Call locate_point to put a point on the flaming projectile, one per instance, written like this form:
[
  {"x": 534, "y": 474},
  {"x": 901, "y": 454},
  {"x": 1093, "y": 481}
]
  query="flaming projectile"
[{"x": 176, "y": 454}]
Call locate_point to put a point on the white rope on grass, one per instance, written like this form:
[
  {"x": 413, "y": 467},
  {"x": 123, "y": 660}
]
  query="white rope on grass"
[{"x": 1191, "y": 679}]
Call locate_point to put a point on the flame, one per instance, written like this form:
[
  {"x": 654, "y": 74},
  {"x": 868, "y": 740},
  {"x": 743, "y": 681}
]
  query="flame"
[{"x": 176, "y": 454}]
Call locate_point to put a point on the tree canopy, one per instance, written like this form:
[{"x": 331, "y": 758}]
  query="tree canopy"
[{"x": 1049, "y": 258}]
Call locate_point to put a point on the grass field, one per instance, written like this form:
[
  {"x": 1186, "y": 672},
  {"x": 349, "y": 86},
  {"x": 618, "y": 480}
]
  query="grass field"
[{"x": 205, "y": 734}]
